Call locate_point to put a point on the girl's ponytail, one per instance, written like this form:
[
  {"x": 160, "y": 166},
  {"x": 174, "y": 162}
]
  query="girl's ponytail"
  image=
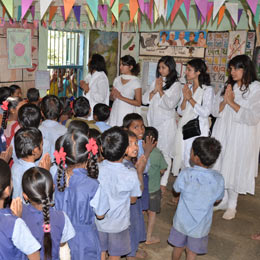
[
  {"x": 5, "y": 106},
  {"x": 92, "y": 166},
  {"x": 60, "y": 159}
]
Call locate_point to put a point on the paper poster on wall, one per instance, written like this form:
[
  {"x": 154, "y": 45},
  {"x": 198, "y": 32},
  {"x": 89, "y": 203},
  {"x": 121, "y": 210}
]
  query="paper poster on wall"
[
  {"x": 129, "y": 44},
  {"x": 42, "y": 79},
  {"x": 250, "y": 44},
  {"x": 19, "y": 48},
  {"x": 236, "y": 43}
]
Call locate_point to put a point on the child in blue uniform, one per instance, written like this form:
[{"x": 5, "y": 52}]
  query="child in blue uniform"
[
  {"x": 200, "y": 188},
  {"x": 123, "y": 187},
  {"x": 52, "y": 228},
  {"x": 78, "y": 193},
  {"x": 15, "y": 237}
]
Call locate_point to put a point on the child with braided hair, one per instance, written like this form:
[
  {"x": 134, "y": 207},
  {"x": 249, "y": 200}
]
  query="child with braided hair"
[
  {"x": 78, "y": 193},
  {"x": 52, "y": 228}
]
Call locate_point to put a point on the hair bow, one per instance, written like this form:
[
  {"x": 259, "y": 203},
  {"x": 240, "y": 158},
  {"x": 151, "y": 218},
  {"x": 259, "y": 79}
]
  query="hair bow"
[
  {"x": 60, "y": 156},
  {"x": 4, "y": 105},
  {"x": 46, "y": 228},
  {"x": 92, "y": 146}
]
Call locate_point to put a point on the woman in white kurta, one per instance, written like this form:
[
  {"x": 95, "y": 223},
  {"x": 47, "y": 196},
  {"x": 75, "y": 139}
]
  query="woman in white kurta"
[
  {"x": 196, "y": 100},
  {"x": 96, "y": 85},
  {"x": 163, "y": 97},
  {"x": 126, "y": 92},
  {"x": 238, "y": 114}
]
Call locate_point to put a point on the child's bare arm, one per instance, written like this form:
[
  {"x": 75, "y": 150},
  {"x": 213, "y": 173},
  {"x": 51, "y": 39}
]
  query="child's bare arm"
[
  {"x": 34, "y": 256},
  {"x": 45, "y": 162},
  {"x": 163, "y": 171},
  {"x": 17, "y": 207},
  {"x": 133, "y": 200}
]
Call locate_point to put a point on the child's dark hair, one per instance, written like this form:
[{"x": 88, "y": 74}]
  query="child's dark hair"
[
  {"x": 12, "y": 104},
  {"x": 74, "y": 145},
  {"x": 65, "y": 106},
  {"x": 97, "y": 63},
  {"x": 37, "y": 184},
  {"x": 29, "y": 115},
  {"x": 33, "y": 95},
  {"x": 131, "y": 134},
  {"x": 207, "y": 149},
  {"x": 25, "y": 140},
  {"x": 101, "y": 111},
  {"x": 200, "y": 65},
  {"x": 114, "y": 142},
  {"x": 5, "y": 176},
  {"x": 249, "y": 72},
  {"x": 51, "y": 107},
  {"x": 13, "y": 88},
  {"x": 151, "y": 131},
  {"x": 93, "y": 133},
  {"x": 81, "y": 107},
  {"x": 78, "y": 125},
  {"x": 130, "y": 61},
  {"x": 129, "y": 118},
  {"x": 5, "y": 92},
  {"x": 172, "y": 75}
]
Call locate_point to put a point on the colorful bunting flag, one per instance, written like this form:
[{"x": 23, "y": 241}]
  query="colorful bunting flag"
[
  {"x": 170, "y": 4},
  {"x": 253, "y": 5},
  {"x": 32, "y": 9},
  {"x": 52, "y": 12},
  {"x": 19, "y": 13},
  {"x": 103, "y": 12},
  {"x": 76, "y": 10},
  {"x": 133, "y": 8},
  {"x": 9, "y": 6},
  {"x": 141, "y": 5},
  {"x": 120, "y": 7},
  {"x": 114, "y": 10},
  {"x": 187, "y": 7},
  {"x": 151, "y": 11},
  {"x": 182, "y": 8},
  {"x": 217, "y": 5},
  {"x": 198, "y": 14},
  {"x": 67, "y": 7},
  {"x": 221, "y": 14},
  {"x": 202, "y": 5},
  {"x": 44, "y": 4},
  {"x": 209, "y": 11},
  {"x": 25, "y": 6},
  {"x": 176, "y": 8},
  {"x": 4, "y": 10},
  {"x": 240, "y": 11},
  {"x": 257, "y": 14},
  {"x": 90, "y": 15},
  {"x": 233, "y": 10},
  {"x": 111, "y": 2},
  {"x": 93, "y": 6}
]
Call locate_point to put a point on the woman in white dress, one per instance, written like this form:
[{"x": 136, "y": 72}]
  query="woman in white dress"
[
  {"x": 196, "y": 101},
  {"x": 126, "y": 92},
  {"x": 96, "y": 85},
  {"x": 163, "y": 97},
  {"x": 237, "y": 110}
]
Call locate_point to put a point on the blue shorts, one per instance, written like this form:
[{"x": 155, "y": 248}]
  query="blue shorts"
[
  {"x": 116, "y": 244},
  {"x": 196, "y": 245}
]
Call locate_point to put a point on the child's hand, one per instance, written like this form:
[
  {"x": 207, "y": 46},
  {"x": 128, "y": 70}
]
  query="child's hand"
[
  {"x": 45, "y": 162},
  {"x": 6, "y": 155},
  {"x": 140, "y": 164},
  {"x": 17, "y": 207},
  {"x": 148, "y": 145}
]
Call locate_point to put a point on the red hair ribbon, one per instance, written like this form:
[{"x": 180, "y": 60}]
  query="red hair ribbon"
[
  {"x": 60, "y": 156},
  {"x": 92, "y": 146},
  {"x": 46, "y": 228},
  {"x": 4, "y": 105},
  {"x": 71, "y": 104}
]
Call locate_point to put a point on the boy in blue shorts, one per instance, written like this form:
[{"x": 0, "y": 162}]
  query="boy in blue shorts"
[{"x": 199, "y": 187}]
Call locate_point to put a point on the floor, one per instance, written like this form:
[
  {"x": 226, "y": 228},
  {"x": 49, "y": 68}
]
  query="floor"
[{"x": 228, "y": 239}]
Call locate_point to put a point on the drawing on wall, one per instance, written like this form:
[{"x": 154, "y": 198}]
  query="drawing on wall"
[
  {"x": 19, "y": 48},
  {"x": 236, "y": 43},
  {"x": 216, "y": 56},
  {"x": 106, "y": 44},
  {"x": 128, "y": 44},
  {"x": 174, "y": 43}
]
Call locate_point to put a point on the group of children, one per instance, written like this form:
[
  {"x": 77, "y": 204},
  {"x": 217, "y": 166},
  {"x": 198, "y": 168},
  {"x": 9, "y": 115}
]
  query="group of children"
[{"x": 80, "y": 188}]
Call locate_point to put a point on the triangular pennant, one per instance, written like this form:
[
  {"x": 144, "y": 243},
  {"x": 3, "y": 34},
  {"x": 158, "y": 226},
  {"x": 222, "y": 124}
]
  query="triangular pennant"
[
  {"x": 4, "y": 10},
  {"x": 114, "y": 9},
  {"x": 103, "y": 12},
  {"x": 240, "y": 11},
  {"x": 170, "y": 4},
  {"x": 133, "y": 7},
  {"x": 198, "y": 14},
  {"x": 90, "y": 15},
  {"x": 44, "y": 24},
  {"x": 162, "y": 9},
  {"x": 76, "y": 10},
  {"x": 233, "y": 10},
  {"x": 67, "y": 7},
  {"x": 136, "y": 18},
  {"x": 44, "y": 4},
  {"x": 175, "y": 9},
  {"x": 182, "y": 8},
  {"x": 221, "y": 14},
  {"x": 202, "y": 5},
  {"x": 257, "y": 14},
  {"x": 139, "y": 20},
  {"x": 32, "y": 9},
  {"x": 151, "y": 11},
  {"x": 9, "y": 6},
  {"x": 120, "y": 7},
  {"x": 52, "y": 12},
  {"x": 19, "y": 12},
  {"x": 146, "y": 9},
  {"x": 187, "y": 8},
  {"x": 113, "y": 19},
  {"x": 25, "y": 6},
  {"x": 217, "y": 5},
  {"x": 141, "y": 5},
  {"x": 62, "y": 12},
  {"x": 93, "y": 6},
  {"x": 111, "y": 2},
  {"x": 210, "y": 11},
  {"x": 253, "y": 5}
]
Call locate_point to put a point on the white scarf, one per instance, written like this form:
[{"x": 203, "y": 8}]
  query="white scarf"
[
  {"x": 128, "y": 77},
  {"x": 188, "y": 115}
]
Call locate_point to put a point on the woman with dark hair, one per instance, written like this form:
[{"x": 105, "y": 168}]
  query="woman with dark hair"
[
  {"x": 96, "y": 85},
  {"x": 197, "y": 99},
  {"x": 237, "y": 109},
  {"x": 126, "y": 92},
  {"x": 163, "y": 97}
]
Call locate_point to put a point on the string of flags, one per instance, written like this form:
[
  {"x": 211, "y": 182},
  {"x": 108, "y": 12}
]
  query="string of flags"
[{"x": 153, "y": 9}]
